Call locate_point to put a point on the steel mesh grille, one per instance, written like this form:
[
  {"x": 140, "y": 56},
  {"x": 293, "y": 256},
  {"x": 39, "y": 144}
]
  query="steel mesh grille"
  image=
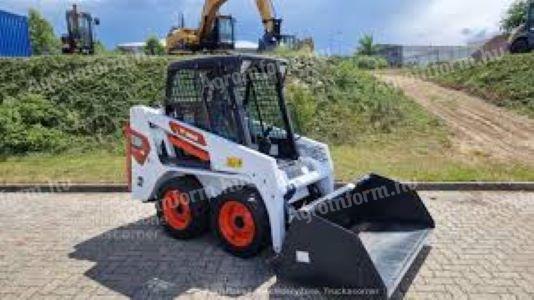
[
  {"x": 201, "y": 105},
  {"x": 186, "y": 87},
  {"x": 263, "y": 106}
]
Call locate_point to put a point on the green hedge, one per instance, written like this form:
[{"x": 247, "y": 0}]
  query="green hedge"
[
  {"x": 73, "y": 103},
  {"x": 47, "y": 102}
]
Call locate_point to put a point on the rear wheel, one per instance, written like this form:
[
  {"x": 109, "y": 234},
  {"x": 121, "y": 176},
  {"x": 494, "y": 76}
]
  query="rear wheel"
[
  {"x": 520, "y": 46},
  {"x": 183, "y": 208},
  {"x": 239, "y": 220}
]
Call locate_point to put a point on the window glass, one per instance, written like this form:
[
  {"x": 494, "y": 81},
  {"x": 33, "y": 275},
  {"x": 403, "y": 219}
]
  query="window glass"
[
  {"x": 262, "y": 106},
  {"x": 225, "y": 31},
  {"x": 194, "y": 102}
]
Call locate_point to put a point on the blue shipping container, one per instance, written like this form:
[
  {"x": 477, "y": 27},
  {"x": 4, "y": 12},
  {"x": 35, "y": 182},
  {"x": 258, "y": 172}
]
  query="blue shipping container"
[{"x": 14, "y": 35}]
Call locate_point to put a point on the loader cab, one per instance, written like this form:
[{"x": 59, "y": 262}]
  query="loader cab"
[{"x": 239, "y": 98}]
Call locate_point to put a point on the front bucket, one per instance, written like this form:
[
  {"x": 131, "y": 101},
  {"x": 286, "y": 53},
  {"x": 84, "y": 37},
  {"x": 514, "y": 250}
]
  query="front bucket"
[{"x": 364, "y": 239}]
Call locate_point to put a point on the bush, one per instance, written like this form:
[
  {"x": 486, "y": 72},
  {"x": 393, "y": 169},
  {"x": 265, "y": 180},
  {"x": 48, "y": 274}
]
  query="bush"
[
  {"x": 32, "y": 124},
  {"x": 303, "y": 106},
  {"x": 337, "y": 102},
  {"x": 370, "y": 62},
  {"x": 97, "y": 91},
  {"x": 83, "y": 98},
  {"x": 154, "y": 47}
]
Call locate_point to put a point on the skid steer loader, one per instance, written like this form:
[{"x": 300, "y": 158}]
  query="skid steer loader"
[{"x": 222, "y": 153}]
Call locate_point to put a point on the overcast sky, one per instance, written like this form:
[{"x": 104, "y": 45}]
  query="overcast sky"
[{"x": 335, "y": 25}]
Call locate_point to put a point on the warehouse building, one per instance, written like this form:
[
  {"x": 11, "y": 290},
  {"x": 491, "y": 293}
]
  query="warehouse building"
[
  {"x": 14, "y": 35},
  {"x": 400, "y": 55}
]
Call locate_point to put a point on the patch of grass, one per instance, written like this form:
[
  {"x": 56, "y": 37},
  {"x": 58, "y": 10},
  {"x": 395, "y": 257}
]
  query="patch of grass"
[
  {"x": 421, "y": 158},
  {"x": 506, "y": 82},
  {"x": 92, "y": 167},
  {"x": 403, "y": 155}
]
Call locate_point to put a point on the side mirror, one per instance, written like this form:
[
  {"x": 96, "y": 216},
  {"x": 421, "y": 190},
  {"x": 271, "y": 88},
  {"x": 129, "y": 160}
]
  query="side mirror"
[{"x": 97, "y": 21}]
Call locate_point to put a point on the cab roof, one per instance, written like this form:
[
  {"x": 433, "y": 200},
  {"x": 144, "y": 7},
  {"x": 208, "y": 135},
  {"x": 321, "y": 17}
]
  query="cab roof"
[{"x": 208, "y": 62}]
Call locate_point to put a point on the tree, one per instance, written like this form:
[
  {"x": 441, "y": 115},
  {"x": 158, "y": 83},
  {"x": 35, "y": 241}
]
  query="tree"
[
  {"x": 100, "y": 48},
  {"x": 42, "y": 36},
  {"x": 515, "y": 16},
  {"x": 367, "y": 45},
  {"x": 154, "y": 47}
]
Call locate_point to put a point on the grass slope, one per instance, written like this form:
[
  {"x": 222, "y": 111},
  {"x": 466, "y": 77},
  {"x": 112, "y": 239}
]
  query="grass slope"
[{"x": 506, "y": 82}]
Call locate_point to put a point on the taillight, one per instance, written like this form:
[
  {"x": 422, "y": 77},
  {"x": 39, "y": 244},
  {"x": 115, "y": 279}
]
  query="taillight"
[{"x": 138, "y": 147}]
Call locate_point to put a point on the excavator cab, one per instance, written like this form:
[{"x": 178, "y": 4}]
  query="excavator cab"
[
  {"x": 222, "y": 36},
  {"x": 80, "y": 37}
]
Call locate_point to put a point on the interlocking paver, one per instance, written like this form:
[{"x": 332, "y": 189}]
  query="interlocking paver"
[{"x": 107, "y": 246}]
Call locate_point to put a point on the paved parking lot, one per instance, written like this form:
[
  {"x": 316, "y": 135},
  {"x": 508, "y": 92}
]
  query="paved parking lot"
[{"x": 105, "y": 245}]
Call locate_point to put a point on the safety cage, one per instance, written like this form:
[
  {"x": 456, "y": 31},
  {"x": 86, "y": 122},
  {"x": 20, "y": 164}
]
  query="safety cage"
[{"x": 239, "y": 98}]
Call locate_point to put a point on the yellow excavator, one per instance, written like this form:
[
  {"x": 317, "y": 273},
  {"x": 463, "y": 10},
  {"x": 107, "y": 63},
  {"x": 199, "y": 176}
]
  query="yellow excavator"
[{"x": 216, "y": 32}]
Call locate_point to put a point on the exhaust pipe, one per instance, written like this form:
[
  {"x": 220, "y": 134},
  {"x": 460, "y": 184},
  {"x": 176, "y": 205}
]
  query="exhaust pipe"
[{"x": 364, "y": 239}]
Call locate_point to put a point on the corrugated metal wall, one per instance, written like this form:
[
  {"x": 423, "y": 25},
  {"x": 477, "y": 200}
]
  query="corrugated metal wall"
[
  {"x": 14, "y": 35},
  {"x": 400, "y": 55}
]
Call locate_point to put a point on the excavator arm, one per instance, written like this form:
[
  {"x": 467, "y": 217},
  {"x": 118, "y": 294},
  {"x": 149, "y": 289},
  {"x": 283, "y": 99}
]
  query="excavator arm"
[
  {"x": 209, "y": 15},
  {"x": 266, "y": 13},
  {"x": 211, "y": 9},
  {"x": 210, "y": 12}
]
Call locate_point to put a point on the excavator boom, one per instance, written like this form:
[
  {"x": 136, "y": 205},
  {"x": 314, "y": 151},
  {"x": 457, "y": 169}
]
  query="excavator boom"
[
  {"x": 205, "y": 37},
  {"x": 209, "y": 15},
  {"x": 266, "y": 13}
]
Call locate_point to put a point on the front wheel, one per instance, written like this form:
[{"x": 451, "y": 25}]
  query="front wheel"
[
  {"x": 240, "y": 221},
  {"x": 183, "y": 208}
]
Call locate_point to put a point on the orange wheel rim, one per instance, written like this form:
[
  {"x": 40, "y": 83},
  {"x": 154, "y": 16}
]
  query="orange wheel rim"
[
  {"x": 237, "y": 224},
  {"x": 176, "y": 209}
]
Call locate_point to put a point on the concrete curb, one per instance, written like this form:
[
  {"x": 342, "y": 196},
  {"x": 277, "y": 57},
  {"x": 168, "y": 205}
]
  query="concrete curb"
[
  {"x": 120, "y": 188},
  {"x": 473, "y": 186},
  {"x": 63, "y": 188}
]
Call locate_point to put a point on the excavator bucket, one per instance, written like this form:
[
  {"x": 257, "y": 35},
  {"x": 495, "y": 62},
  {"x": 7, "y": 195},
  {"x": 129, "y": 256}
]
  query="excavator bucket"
[{"x": 363, "y": 237}]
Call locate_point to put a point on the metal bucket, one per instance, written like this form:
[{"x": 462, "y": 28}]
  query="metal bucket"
[{"x": 363, "y": 239}]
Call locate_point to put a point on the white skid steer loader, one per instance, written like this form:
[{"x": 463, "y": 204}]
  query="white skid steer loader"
[{"x": 222, "y": 153}]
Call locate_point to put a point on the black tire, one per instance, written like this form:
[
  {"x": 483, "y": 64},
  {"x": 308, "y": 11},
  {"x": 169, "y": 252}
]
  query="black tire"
[
  {"x": 250, "y": 198},
  {"x": 193, "y": 200},
  {"x": 520, "y": 46}
]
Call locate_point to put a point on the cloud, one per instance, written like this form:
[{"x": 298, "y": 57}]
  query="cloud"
[
  {"x": 449, "y": 21},
  {"x": 334, "y": 24}
]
